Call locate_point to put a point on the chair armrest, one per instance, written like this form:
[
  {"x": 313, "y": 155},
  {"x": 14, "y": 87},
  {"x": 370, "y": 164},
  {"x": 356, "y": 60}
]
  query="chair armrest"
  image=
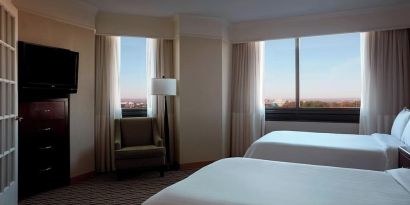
[
  {"x": 158, "y": 141},
  {"x": 117, "y": 134},
  {"x": 157, "y": 137}
]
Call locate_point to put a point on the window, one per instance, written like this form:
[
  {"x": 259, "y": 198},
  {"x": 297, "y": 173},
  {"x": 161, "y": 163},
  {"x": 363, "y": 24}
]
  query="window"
[
  {"x": 133, "y": 77},
  {"x": 280, "y": 73},
  {"x": 313, "y": 78}
]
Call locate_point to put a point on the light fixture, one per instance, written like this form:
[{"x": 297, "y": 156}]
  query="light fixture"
[{"x": 165, "y": 87}]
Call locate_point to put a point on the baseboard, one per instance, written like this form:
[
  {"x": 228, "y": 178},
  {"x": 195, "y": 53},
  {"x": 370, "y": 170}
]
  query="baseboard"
[
  {"x": 194, "y": 165},
  {"x": 81, "y": 177}
]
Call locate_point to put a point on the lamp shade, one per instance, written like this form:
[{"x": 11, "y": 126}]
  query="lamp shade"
[{"x": 163, "y": 86}]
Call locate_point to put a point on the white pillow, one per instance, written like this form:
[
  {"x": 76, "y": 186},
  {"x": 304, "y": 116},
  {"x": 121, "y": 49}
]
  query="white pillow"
[
  {"x": 400, "y": 123},
  {"x": 405, "y": 137}
]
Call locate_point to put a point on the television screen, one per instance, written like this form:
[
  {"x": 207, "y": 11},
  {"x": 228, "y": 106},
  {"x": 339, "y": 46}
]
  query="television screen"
[{"x": 42, "y": 67}]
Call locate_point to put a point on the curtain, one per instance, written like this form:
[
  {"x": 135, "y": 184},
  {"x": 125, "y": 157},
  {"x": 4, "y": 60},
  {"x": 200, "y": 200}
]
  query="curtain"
[
  {"x": 160, "y": 62},
  {"x": 385, "y": 79},
  {"x": 248, "y": 113},
  {"x": 107, "y": 99}
]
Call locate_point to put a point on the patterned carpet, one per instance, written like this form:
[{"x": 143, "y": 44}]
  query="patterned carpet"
[{"x": 105, "y": 189}]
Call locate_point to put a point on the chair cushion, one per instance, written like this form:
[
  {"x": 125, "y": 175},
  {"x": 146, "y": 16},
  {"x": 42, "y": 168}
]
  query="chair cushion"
[
  {"x": 139, "y": 152},
  {"x": 136, "y": 131}
]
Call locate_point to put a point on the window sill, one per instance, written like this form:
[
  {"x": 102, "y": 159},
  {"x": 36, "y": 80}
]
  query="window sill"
[
  {"x": 342, "y": 115},
  {"x": 131, "y": 112}
]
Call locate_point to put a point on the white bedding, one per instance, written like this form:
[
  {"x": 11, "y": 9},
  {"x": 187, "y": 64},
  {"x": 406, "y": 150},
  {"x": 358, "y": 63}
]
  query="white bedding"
[
  {"x": 251, "y": 181},
  {"x": 373, "y": 152}
]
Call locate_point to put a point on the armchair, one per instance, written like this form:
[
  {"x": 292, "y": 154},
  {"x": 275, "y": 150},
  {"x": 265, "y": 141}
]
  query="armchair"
[{"x": 138, "y": 144}]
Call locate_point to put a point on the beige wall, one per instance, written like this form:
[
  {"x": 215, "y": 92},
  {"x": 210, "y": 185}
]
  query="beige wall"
[
  {"x": 199, "y": 100},
  {"x": 134, "y": 25},
  {"x": 226, "y": 96},
  {"x": 40, "y": 30},
  {"x": 339, "y": 22},
  {"x": 73, "y": 12}
]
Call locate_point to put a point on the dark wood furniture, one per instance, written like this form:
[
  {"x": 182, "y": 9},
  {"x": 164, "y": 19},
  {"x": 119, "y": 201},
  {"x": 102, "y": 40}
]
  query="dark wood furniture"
[
  {"x": 404, "y": 157},
  {"x": 44, "y": 146}
]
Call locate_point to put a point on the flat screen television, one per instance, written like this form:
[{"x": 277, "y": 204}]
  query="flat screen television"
[{"x": 47, "y": 68}]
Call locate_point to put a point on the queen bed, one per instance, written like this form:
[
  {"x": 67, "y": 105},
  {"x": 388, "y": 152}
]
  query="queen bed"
[
  {"x": 373, "y": 152},
  {"x": 252, "y": 181}
]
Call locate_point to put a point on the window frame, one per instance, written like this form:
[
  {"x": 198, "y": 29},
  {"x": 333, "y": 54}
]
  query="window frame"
[
  {"x": 347, "y": 115},
  {"x": 133, "y": 112}
]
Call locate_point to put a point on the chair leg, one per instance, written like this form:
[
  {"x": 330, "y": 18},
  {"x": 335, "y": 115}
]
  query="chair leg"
[
  {"x": 161, "y": 171},
  {"x": 118, "y": 173}
]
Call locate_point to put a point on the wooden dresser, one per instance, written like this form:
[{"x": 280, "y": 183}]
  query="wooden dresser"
[{"x": 44, "y": 146}]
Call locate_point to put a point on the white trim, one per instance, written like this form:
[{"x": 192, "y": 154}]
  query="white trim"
[
  {"x": 77, "y": 13},
  {"x": 382, "y": 18},
  {"x": 134, "y": 25},
  {"x": 61, "y": 20},
  {"x": 201, "y": 27}
]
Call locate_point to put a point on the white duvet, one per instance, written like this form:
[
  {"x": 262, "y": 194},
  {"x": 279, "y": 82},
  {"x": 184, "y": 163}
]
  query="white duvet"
[
  {"x": 251, "y": 181},
  {"x": 374, "y": 152}
]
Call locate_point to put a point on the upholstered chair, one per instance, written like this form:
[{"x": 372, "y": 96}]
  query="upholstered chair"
[{"x": 138, "y": 144}]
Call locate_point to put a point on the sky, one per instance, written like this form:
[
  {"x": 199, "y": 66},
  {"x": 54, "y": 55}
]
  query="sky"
[
  {"x": 329, "y": 67},
  {"x": 133, "y": 79}
]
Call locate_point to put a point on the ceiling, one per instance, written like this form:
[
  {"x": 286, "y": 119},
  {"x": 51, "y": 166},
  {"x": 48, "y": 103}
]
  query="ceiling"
[{"x": 237, "y": 10}]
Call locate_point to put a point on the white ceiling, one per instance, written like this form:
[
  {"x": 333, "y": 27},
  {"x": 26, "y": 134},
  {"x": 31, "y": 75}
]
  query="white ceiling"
[{"x": 237, "y": 10}]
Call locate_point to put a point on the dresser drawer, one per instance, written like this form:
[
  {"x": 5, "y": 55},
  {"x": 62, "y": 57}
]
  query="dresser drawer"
[
  {"x": 35, "y": 128},
  {"x": 43, "y": 110}
]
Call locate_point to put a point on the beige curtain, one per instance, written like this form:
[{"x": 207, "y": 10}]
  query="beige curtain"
[
  {"x": 248, "y": 114},
  {"x": 160, "y": 62},
  {"x": 385, "y": 79},
  {"x": 107, "y": 99}
]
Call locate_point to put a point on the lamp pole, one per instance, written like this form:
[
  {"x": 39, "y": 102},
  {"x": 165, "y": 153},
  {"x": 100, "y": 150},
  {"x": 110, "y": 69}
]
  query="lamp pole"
[{"x": 166, "y": 133}]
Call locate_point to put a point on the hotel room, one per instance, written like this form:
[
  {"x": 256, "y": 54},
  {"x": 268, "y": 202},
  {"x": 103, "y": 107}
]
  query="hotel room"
[{"x": 205, "y": 102}]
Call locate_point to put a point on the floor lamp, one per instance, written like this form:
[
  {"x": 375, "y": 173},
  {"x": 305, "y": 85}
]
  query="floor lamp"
[{"x": 165, "y": 87}]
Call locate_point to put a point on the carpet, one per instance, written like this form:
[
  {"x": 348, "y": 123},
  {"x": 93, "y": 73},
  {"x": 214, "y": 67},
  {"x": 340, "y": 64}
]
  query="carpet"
[{"x": 105, "y": 189}]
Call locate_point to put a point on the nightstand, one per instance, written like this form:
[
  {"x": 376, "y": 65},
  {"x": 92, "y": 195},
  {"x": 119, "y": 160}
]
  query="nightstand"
[{"x": 404, "y": 157}]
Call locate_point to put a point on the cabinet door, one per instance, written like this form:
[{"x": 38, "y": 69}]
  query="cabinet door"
[{"x": 8, "y": 103}]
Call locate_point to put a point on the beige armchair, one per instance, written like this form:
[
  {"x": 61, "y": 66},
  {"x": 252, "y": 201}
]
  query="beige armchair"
[{"x": 138, "y": 144}]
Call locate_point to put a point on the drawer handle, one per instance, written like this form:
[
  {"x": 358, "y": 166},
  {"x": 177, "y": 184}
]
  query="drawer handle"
[
  {"x": 45, "y": 148},
  {"x": 47, "y": 110},
  {"x": 47, "y": 129},
  {"x": 46, "y": 169}
]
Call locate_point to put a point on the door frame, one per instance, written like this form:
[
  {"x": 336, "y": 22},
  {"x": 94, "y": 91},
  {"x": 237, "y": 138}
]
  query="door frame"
[{"x": 9, "y": 194}]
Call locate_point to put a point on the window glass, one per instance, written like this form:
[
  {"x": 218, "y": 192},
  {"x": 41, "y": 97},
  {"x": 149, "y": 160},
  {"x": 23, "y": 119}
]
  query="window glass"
[
  {"x": 330, "y": 71},
  {"x": 279, "y": 74},
  {"x": 133, "y": 77}
]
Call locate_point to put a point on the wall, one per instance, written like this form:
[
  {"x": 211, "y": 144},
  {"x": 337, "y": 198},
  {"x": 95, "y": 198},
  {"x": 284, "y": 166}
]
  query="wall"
[
  {"x": 226, "y": 96},
  {"x": 134, "y": 25},
  {"x": 346, "y": 128},
  {"x": 40, "y": 30},
  {"x": 200, "y": 99},
  {"x": 73, "y": 12},
  {"x": 341, "y": 22},
  {"x": 202, "y": 55}
]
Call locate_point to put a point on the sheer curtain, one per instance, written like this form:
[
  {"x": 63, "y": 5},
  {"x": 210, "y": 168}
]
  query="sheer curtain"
[
  {"x": 385, "y": 79},
  {"x": 160, "y": 62},
  {"x": 248, "y": 113},
  {"x": 107, "y": 99}
]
